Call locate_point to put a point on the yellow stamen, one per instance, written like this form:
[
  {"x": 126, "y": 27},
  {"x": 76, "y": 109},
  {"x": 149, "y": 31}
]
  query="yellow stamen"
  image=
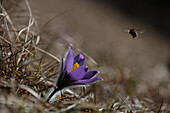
[{"x": 76, "y": 65}]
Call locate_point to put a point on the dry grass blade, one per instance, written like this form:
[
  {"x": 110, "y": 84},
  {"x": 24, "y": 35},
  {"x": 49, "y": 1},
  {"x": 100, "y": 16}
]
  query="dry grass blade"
[
  {"x": 30, "y": 91},
  {"x": 38, "y": 40},
  {"x": 160, "y": 107},
  {"x": 5, "y": 14},
  {"x": 47, "y": 53},
  {"x": 9, "y": 42},
  {"x": 31, "y": 20},
  {"x": 73, "y": 105},
  {"x": 57, "y": 15},
  {"x": 125, "y": 103},
  {"x": 30, "y": 23}
]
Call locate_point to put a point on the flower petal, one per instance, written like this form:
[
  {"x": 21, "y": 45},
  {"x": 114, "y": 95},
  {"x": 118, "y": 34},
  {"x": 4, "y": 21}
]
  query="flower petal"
[
  {"x": 90, "y": 74},
  {"x": 79, "y": 59},
  {"x": 88, "y": 80},
  {"x": 79, "y": 72},
  {"x": 69, "y": 60}
]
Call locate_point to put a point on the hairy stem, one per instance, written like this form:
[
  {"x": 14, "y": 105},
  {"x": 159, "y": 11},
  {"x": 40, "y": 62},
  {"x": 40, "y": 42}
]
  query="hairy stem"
[{"x": 51, "y": 95}]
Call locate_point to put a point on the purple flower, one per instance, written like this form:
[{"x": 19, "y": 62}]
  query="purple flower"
[{"x": 74, "y": 72}]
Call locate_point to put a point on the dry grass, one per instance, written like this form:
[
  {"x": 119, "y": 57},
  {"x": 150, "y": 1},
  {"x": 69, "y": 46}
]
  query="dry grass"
[{"x": 27, "y": 72}]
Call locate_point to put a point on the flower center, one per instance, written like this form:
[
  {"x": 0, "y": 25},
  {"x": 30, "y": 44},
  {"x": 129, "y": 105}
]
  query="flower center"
[{"x": 75, "y": 66}]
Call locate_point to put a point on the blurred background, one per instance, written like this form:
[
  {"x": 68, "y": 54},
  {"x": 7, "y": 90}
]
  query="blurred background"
[{"x": 136, "y": 67}]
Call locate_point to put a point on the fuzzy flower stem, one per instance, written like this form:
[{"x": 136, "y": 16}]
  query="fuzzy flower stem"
[{"x": 51, "y": 95}]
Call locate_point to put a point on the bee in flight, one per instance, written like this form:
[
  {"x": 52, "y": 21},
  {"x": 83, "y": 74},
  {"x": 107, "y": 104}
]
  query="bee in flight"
[{"x": 133, "y": 32}]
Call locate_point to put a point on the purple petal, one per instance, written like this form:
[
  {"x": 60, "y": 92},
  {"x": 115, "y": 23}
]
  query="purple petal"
[
  {"x": 88, "y": 80},
  {"x": 90, "y": 74},
  {"x": 80, "y": 59},
  {"x": 79, "y": 72},
  {"x": 69, "y": 60}
]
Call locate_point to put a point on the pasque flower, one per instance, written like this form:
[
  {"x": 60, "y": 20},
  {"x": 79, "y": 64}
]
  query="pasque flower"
[{"x": 73, "y": 71}]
